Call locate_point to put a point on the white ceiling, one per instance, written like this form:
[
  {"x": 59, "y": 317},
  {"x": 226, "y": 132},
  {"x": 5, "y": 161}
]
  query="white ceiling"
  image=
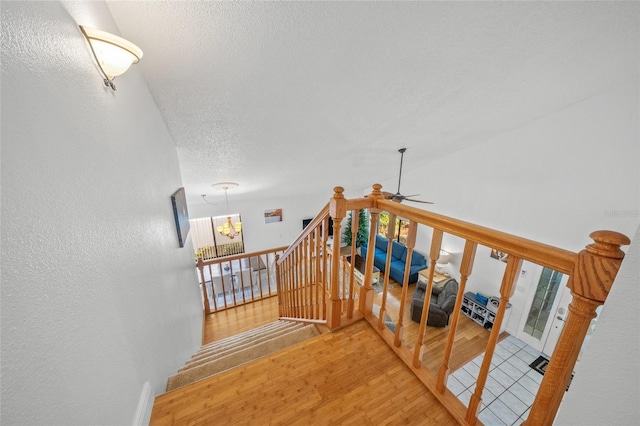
[{"x": 290, "y": 98}]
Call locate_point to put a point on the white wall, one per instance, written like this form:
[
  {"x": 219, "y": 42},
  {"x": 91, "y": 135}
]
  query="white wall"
[
  {"x": 554, "y": 180},
  {"x": 259, "y": 235},
  {"x": 97, "y": 298}
]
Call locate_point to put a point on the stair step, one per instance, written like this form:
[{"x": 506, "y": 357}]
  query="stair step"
[
  {"x": 248, "y": 354},
  {"x": 202, "y": 356},
  {"x": 247, "y": 334}
]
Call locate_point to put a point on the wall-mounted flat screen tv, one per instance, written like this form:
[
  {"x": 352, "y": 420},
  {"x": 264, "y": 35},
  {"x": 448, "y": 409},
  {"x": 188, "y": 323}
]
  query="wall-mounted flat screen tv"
[{"x": 306, "y": 222}]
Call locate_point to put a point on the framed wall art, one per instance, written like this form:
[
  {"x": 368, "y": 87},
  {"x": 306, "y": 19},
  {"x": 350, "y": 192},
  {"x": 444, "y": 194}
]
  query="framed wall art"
[
  {"x": 181, "y": 215},
  {"x": 274, "y": 215}
]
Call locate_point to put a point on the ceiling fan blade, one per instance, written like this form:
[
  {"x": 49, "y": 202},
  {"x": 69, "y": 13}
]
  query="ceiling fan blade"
[
  {"x": 414, "y": 195},
  {"x": 388, "y": 195},
  {"x": 418, "y": 201}
]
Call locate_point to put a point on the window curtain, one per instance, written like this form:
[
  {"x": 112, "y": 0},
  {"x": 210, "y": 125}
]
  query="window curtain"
[{"x": 201, "y": 233}]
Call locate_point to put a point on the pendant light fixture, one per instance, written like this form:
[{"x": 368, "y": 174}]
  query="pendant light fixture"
[{"x": 228, "y": 229}]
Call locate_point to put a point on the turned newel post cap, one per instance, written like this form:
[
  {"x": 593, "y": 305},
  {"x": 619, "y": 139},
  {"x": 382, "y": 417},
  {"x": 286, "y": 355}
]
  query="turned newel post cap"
[
  {"x": 607, "y": 244},
  {"x": 376, "y": 190},
  {"x": 337, "y": 206}
]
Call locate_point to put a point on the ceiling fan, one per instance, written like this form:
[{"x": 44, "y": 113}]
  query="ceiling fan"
[{"x": 398, "y": 197}]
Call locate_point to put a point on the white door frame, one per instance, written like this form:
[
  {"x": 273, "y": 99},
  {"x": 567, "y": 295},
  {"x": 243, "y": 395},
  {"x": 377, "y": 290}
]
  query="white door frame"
[{"x": 559, "y": 318}]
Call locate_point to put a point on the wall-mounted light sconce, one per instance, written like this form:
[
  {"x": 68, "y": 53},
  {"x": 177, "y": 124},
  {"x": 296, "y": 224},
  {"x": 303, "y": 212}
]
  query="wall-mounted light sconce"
[{"x": 113, "y": 54}]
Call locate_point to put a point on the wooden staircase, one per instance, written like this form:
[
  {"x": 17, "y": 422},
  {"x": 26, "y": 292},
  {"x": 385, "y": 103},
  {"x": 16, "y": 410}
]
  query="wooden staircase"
[
  {"x": 236, "y": 350},
  {"x": 314, "y": 284},
  {"x": 348, "y": 376}
]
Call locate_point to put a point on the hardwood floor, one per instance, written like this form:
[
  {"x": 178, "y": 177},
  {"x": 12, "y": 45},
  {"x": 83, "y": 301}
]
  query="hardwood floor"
[
  {"x": 242, "y": 318},
  {"x": 346, "y": 377},
  {"x": 349, "y": 376},
  {"x": 471, "y": 338}
]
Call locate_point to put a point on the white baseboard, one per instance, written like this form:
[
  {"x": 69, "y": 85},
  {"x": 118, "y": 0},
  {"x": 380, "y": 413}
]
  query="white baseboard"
[{"x": 143, "y": 412}]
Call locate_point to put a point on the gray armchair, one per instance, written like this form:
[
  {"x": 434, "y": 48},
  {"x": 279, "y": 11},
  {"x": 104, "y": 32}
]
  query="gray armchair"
[{"x": 443, "y": 300}]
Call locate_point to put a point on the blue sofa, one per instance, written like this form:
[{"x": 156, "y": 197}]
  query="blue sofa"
[{"x": 398, "y": 260}]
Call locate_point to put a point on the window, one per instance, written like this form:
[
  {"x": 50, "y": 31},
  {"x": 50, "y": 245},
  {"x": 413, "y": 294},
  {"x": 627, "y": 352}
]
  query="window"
[
  {"x": 402, "y": 227},
  {"x": 209, "y": 243}
]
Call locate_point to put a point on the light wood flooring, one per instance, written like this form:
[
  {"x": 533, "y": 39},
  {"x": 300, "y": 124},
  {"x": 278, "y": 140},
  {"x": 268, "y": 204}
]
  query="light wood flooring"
[
  {"x": 242, "y": 318},
  {"x": 471, "y": 338},
  {"x": 349, "y": 376}
]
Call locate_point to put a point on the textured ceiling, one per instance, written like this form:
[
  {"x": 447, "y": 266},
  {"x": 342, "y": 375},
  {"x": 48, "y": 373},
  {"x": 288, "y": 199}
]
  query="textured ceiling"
[{"x": 297, "y": 97}]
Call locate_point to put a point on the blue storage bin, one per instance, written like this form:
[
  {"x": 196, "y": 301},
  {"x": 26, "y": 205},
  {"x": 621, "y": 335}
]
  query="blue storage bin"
[{"x": 480, "y": 298}]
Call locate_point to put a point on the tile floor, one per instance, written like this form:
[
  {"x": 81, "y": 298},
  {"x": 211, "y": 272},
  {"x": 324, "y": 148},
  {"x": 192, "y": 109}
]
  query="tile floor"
[{"x": 511, "y": 385}]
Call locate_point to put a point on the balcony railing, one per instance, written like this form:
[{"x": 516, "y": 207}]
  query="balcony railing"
[
  {"x": 316, "y": 284},
  {"x": 235, "y": 280}
]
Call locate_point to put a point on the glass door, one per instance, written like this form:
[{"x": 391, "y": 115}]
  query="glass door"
[
  {"x": 542, "y": 304},
  {"x": 540, "y": 309}
]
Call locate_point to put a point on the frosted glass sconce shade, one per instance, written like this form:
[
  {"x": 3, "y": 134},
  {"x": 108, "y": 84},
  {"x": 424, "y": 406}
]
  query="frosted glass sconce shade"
[{"x": 113, "y": 54}]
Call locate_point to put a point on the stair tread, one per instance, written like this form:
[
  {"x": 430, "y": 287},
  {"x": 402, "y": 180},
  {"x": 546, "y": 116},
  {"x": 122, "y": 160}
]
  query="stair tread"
[
  {"x": 201, "y": 356},
  {"x": 222, "y": 346},
  {"x": 249, "y": 333},
  {"x": 248, "y": 354},
  {"x": 232, "y": 350}
]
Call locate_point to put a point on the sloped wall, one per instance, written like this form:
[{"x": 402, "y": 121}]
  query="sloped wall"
[
  {"x": 97, "y": 297},
  {"x": 553, "y": 180},
  {"x": 556, "y": 180}
]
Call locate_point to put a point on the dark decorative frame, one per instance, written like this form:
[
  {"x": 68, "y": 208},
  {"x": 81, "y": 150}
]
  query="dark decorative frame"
[{"x": 181, "y": 215}]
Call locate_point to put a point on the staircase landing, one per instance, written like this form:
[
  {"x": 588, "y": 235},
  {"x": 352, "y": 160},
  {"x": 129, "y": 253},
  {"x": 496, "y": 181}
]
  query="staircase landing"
[
  {"x": 349, "y": 376},
  {"x": 231, "y": 352}
]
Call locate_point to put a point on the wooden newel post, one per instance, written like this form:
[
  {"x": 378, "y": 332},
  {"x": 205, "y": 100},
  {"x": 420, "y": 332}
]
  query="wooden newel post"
[
  {"x": 595, "y": 269},
  {"x": 337, "y": 210}
]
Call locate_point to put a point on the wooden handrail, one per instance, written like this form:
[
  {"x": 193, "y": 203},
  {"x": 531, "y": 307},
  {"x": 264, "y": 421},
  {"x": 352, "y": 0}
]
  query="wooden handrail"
[
  {"x": 202, "y": 264},
  {"x": 314, "y": 281},
  {"x": 308, "y": 230},
  {"x": 242, "y": 256},
  {"x": 309, "y": 266},
  {"x": 555, "y": 258},
  {"x": 595, "y": 270}
]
